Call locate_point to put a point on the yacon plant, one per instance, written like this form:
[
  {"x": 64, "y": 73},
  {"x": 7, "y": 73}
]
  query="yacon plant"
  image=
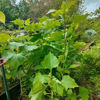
[{"x": 46, "y": 56}]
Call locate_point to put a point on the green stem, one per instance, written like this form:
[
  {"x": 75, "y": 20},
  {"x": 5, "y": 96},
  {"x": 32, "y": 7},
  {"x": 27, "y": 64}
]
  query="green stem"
[
  {"x": 51, "y": 87},
  {"x": 65, "y": 40},
  {"x": 51, "y": 95}
]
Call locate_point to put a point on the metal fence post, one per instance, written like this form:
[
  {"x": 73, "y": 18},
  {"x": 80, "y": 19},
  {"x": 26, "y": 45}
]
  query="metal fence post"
[{"x": 5, "y": 81}]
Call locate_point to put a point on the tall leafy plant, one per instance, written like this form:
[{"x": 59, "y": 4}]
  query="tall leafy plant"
[{"x": 45, "y": 57}]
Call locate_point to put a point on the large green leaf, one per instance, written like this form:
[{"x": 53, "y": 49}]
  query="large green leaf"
[
  {"x": 38, "y": 82},
  {"x": 57, "y": 87},
  {"x": 38, "y": 86},
  {"x": 14, "y": 45},
  {"x": 41, "y": 78},
  {"x": 68, "y": 82},
  {"x": 71, "y": 95},
  {"x": 51, "y": 24},
  {"x": 16, "y": 60},
  {"x": 30, "y": 48},
  {"x": 56, "y": 98},
  {"x": 50, "y": 61},
  {"x": 83, "y": 93},
  {"x": 55, "y": 36},
  {"x": 4, "y": 37},
  {"x": 2, "y": 17},
  {"x": 19, "y": 22},
  {"x": 27, "y": 22},
  {"x": 30, "y": 27},
  {"x": 37, "y": 96},
  {"x": 44, "y": 18},
  {"x": 7, "y": 55}
]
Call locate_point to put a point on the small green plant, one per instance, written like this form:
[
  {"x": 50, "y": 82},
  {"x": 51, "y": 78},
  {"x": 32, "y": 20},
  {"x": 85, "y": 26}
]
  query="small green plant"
[{"x": 91, "y": 59}]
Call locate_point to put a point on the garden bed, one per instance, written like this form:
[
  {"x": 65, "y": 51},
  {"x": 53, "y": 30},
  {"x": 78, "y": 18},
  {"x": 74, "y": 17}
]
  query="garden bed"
[{"x": 14, "y": 89}]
